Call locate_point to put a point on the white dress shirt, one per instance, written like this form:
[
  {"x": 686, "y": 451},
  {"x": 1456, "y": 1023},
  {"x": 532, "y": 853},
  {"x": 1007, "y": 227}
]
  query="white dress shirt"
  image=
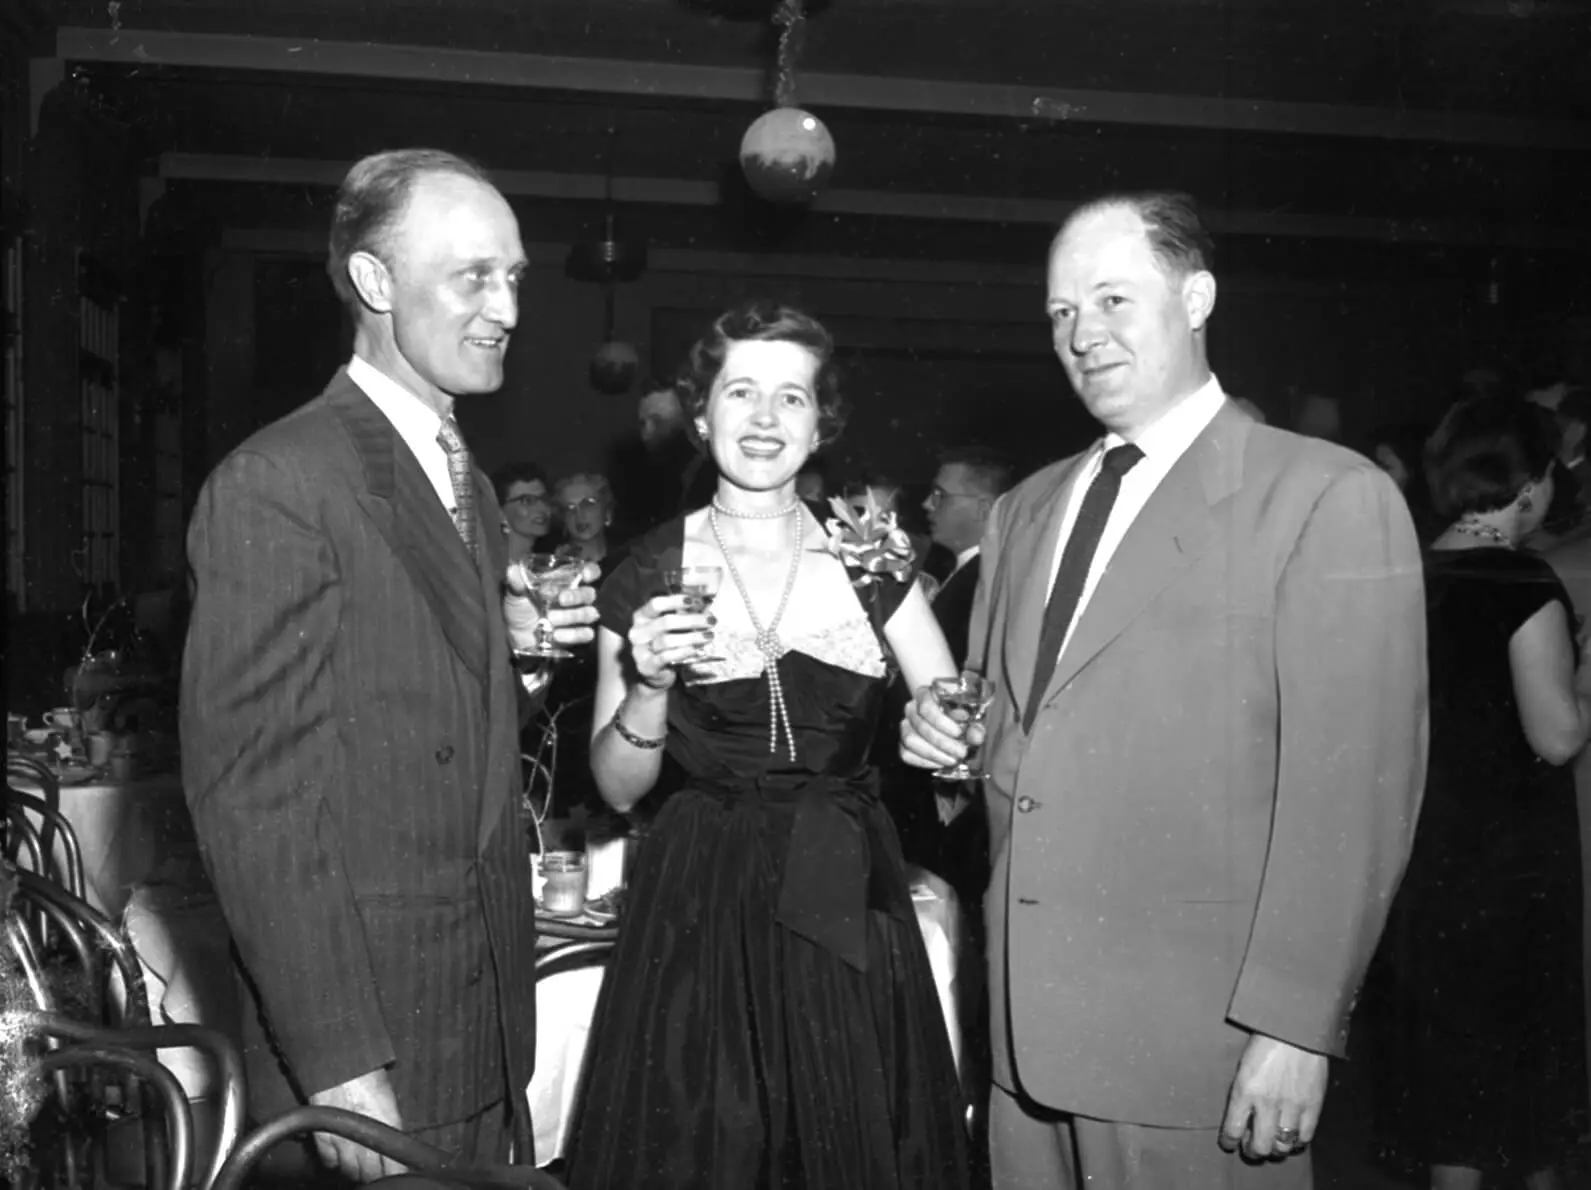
[
  {"x": 962, "y": 559},
  {"x": 416, "y": 422},
  {"x": 1163, "y": 443}
]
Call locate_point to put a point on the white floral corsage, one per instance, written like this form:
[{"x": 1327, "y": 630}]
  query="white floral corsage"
[{"x": 871, "y": 544}]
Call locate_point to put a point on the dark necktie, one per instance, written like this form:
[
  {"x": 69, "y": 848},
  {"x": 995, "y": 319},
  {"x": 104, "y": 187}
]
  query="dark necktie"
[
  {"x": 462, "y": 474},
  {"x": 1081, "y": 545}
]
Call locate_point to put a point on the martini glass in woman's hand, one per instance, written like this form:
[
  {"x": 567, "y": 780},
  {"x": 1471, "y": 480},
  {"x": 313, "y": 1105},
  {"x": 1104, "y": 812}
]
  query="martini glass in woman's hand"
[
  {"x": 965, "y": 699},
  {"x": 699, "y": 585},
  {"x": 546, "y": 577}
]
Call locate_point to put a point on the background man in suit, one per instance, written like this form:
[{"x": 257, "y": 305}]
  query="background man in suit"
[
  {"x": 1206, "y": 749},
  {"x": 349, "y": 726},
  {"x": 663, "y": 471},
  {"x": 969, "y": 481}
]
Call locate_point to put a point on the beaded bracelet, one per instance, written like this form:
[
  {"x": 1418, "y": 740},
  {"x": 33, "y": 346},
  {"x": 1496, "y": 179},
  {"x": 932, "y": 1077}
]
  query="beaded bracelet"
[{"x": 629, "y": 737}]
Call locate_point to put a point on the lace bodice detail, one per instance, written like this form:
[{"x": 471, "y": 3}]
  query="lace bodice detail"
[
  {"x": 833, "y": 675},
  {"x": 850, "y": 644}
]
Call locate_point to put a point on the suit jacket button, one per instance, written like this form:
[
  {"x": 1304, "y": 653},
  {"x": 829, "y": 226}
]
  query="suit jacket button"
[
  {"x": 1027, "y": 804},
  {"x": 444, "y": 754}
]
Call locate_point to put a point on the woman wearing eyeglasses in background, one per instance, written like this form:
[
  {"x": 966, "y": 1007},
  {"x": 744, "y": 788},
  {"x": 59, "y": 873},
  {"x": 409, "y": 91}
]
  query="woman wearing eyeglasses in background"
[
  {"x": 585, "y": 503},
  {"x": 527, "y": 509}
]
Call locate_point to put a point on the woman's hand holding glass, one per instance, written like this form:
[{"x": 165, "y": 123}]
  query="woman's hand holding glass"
[{"x": 669, "y": 632}]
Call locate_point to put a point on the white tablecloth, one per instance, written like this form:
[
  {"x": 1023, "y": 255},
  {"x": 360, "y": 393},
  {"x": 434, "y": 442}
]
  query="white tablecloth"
[
  {"x": 565, "y": 1002},
  {"x": 130, "y": 833}
]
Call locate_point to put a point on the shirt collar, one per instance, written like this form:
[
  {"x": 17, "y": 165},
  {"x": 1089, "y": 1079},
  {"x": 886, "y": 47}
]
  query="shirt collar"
[
  {"x": 412, "y": 417},
  {"x": 1174, "y": 431},
  {"x": 965, "y": 556}
]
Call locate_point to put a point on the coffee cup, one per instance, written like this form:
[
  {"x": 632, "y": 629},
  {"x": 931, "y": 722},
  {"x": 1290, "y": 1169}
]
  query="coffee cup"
[{"x": 64, "y": 719}]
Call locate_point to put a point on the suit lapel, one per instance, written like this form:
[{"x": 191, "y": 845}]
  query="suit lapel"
[
  {"x": 404, "y": 506},
  {"x": 1034, "y": 539},
  {"x": 502, "y": 707},
  {"x": 1173, "y": 529}
]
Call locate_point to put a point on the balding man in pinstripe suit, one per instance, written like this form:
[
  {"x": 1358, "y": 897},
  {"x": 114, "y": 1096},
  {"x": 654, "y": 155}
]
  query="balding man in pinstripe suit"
[{"x": 350, "y": 729}]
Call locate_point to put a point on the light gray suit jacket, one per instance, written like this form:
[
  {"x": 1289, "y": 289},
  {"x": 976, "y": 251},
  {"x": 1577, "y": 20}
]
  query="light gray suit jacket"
[{"x": 1202, "y": 834}]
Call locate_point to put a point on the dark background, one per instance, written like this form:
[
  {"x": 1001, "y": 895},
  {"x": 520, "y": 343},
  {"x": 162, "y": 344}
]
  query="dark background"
[{"x": 1398, "y": 190}]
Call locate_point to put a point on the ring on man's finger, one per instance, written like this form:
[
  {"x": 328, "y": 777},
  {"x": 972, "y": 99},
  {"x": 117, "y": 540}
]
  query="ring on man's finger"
[{"x": 1287, "y": 1138}]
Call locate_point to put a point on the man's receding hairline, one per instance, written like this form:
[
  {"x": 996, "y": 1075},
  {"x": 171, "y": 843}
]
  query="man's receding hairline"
[{"x": 1105, "y": 206}]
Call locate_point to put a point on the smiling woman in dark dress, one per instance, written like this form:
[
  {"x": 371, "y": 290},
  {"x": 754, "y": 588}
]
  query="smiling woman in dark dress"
[
  {"x": 1484, "y": 939},
  {"x": 769, "y": 1017}
]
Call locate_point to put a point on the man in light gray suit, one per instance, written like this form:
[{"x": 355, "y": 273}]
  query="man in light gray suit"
[{"x": 1205, "y": 752}]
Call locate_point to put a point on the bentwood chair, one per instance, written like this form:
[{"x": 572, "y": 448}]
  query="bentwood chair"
[
  {"x": 68, "y": 870},
  {"x": 63, "y": 907},
  {"x": 430, "y": 1167},
  {"x": 86, "y": 1110},
  {"x": 171, "y": 1156},
  {"x": 39, "y": 774},
  {"x": 221, "y": 1050}
]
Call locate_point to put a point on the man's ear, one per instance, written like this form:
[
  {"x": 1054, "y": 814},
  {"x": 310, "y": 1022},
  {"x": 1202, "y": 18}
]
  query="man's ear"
[
  {"x": 372, "y": 281},
  {"x": 1198, "y": 297}
]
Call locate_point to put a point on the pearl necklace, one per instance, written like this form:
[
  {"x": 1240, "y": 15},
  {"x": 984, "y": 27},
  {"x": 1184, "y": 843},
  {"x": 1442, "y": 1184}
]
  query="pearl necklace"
[
  {"x": 768, "y": 642},
  {"x": 776, "y": 514},
  {"x": 1484, "y": 531}
]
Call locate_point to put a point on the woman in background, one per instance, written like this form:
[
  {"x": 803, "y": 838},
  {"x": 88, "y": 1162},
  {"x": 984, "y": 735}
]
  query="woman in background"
[
  {"x": 527, "y": 509},
  {"x": 585, "y": 503},
  {"x": 1484, "y": 941}
]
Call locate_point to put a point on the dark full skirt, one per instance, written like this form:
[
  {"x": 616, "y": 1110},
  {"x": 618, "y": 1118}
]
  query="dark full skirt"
[{"x": 728, "y": 1052}]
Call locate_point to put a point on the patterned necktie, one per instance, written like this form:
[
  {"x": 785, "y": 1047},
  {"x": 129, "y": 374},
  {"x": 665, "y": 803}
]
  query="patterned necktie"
[
  {"x": 462, "y": 474},
  {"x": 1081, "y": 545}
]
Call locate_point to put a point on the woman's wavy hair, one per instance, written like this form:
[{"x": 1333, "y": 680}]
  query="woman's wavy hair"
[
  {"x": 1485, "y": 451},
  {"x": 765, "y": 322}
]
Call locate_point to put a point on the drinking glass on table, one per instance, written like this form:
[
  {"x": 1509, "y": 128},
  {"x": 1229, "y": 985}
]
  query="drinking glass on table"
[
  {"x": 699, "y": 585},
  {"x": 966, "y": 699},
  {"x": 546, "y": 577}
]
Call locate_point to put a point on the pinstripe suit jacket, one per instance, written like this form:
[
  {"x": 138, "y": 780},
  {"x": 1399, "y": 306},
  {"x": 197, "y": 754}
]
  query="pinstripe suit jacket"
[{"x": 350, "y": 756}]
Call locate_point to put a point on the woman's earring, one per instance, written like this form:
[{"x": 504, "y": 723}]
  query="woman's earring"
[{"x": 701, "y": 429}]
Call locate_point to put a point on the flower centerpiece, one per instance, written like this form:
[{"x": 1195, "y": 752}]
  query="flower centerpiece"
[{"x": 870, "y": 543}]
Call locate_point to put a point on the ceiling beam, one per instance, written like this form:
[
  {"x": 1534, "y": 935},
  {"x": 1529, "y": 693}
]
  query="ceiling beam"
[
  {"x": 955, "y": 208},
  {"x": 1024, "y": 280},
  {"x": 434, "y": 64},
  {"x": 277, "y": 241}
]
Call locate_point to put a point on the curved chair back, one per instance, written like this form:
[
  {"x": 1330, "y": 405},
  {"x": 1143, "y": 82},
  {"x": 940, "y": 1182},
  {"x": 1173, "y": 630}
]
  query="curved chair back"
[
  {"x": 571, "y": 956},
  {"x": 426, "y": 1162},
  {"x": 106, "y": 935},
  {"x": 87, "y": 956},
  {"x": 40, "y": 774},
  {"x": 178, "y": 1170},
  {"x": 20, "y": 834},
  {"x": 228, "y": 1063},
  {"x": 21, "y": 945},
  {"x": 54, "y": 823}
]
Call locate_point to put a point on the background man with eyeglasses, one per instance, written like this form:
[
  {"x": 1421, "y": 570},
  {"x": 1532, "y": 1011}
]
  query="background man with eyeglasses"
[{"x": 970, "y": 480}]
